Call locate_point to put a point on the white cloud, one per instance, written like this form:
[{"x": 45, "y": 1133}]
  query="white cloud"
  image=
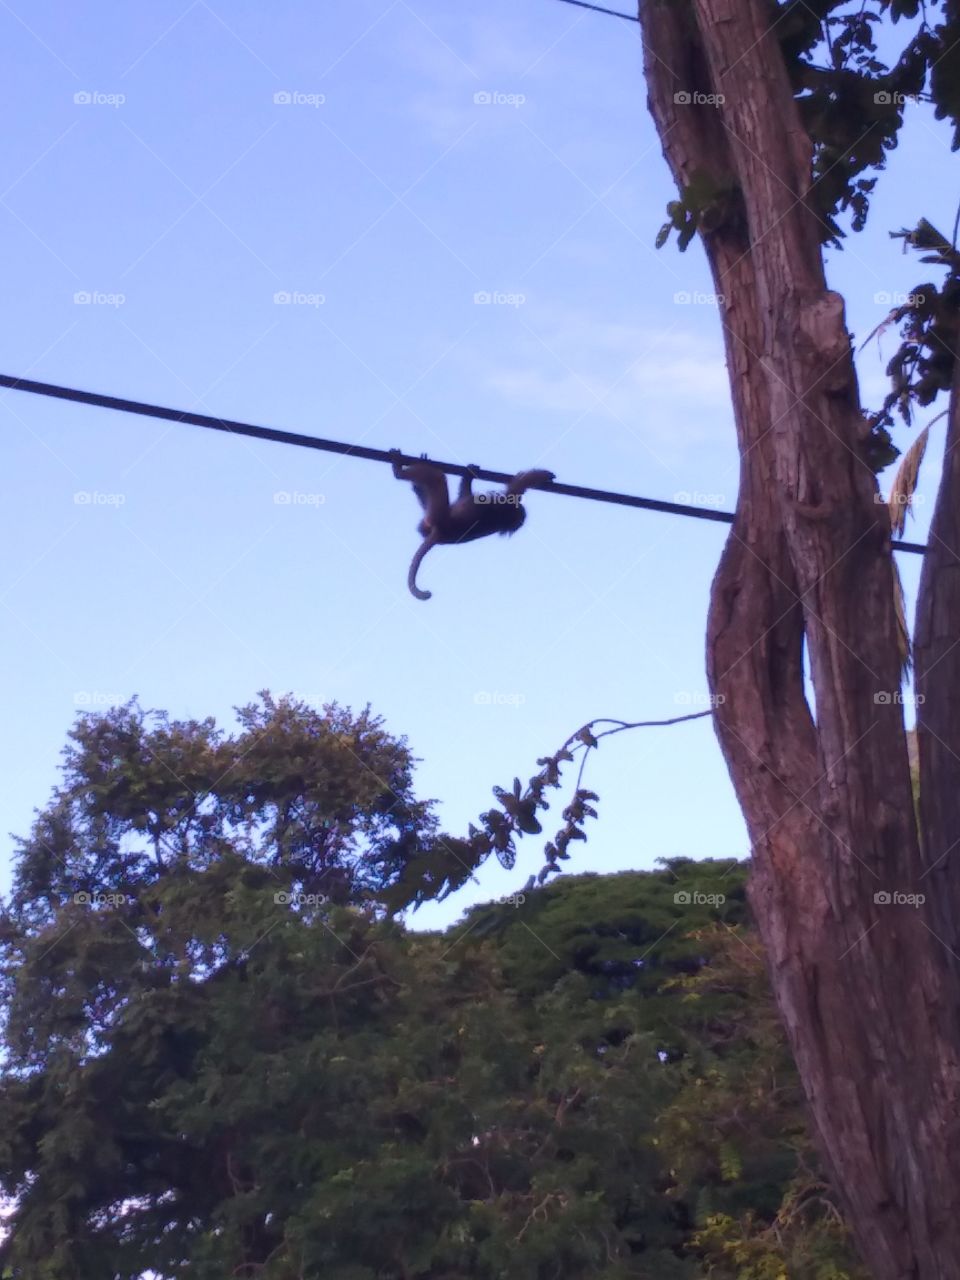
[
  {"x": 668, "y": 382},
  {"x": 447, "y": 77}
]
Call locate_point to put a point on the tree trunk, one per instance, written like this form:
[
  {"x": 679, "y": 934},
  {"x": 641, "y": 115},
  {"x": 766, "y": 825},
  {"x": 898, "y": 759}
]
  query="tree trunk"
[
  {"x": 865, "y": 987},
  {"x": 937, "y": 659}
]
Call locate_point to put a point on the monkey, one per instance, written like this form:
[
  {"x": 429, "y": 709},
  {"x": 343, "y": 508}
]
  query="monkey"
[{"x": 473, "y": 515}]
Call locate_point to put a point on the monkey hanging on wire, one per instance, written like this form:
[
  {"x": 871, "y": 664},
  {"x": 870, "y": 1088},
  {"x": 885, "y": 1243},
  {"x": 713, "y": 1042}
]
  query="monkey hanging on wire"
[{"x": 473, "y": 515}]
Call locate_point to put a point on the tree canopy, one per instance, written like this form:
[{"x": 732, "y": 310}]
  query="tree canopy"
[{"x": 214, "y": 1068}]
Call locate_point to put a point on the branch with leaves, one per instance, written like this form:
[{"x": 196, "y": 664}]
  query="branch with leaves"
[
  {"x": 448, "y": 864},
  {"x": 924, "y": 362}
]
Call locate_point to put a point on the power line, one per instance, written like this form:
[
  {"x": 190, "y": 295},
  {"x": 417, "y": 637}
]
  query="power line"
[
  {"x": 598, "y": 8},
  {"x": 362, "y": 451}
]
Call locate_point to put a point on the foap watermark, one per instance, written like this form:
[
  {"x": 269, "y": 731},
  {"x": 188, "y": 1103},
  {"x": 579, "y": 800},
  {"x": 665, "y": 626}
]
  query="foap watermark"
[
  {"x": 294, "y": 498},
  {"x": 496, "y": 98},
  {"x": 96, "y": 298},
  {"x": 283, "y": 899},
  {"x": 296, "y": 298},
  {"x": 97, "y": 899},
  {"x": 94, "y": 98},
  {"x": 697, "y": 698},
  {"x": 886, "y": 98},
  {"x": 96, "y": 698},
  {"x": 316, "y": 702},
  {"x": 94, "y": 498},
  {"x": 693, "y": 98},
  {"x": 694, "y": 298},
  {"x": 497, "y": 498},
  {"x": 894, "y": 898},
  {"x": 512, "y": 900},
  {"x": 699, "y": 499},
  {"x": 899, "y": 499},
  {"x": 893, "y": 298},
  {"x": 693, "y": 897},
  {"x": 896, "y": 697},
  {"x": 486, "y": 698},
  {"x": 498, "y": 298},
  {"x": 295, "y": 98}
]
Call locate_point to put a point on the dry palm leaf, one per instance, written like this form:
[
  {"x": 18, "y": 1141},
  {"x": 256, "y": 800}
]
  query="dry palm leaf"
[
  {"x": 899, "y": 504},
  {"x": 905, "y": 482}
]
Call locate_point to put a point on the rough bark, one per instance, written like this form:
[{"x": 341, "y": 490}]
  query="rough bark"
[
  {"x": 937, "y": 661},
  {"x": 865, "y": 988}
]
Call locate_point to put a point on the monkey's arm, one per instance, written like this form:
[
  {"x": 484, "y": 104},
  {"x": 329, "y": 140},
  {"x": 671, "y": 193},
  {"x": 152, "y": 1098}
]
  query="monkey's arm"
[
  {"x": 399, "y": 470},
  {"x": 465, "y": 492},
  {"x": 525, "y": 480},
  {"x": 430, "y": 486}
]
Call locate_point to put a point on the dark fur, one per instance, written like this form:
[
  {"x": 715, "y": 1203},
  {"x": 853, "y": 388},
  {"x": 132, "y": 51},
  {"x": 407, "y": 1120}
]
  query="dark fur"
[{"x": 470, "y": 516}]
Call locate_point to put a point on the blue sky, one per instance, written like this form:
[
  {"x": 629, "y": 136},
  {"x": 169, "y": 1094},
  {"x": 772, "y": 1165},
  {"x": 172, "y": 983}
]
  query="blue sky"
[{"x": 426, "y": 152}]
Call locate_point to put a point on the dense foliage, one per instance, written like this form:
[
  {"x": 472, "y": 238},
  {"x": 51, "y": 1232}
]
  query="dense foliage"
[{"x": 213, "y": 1071}]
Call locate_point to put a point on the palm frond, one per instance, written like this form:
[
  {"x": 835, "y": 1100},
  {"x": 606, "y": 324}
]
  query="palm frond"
[{"x": 905, "y": 482}]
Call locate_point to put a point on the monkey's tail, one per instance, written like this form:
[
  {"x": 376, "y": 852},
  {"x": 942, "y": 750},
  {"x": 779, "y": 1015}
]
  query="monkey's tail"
[{"x": 424, "y": 547}]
